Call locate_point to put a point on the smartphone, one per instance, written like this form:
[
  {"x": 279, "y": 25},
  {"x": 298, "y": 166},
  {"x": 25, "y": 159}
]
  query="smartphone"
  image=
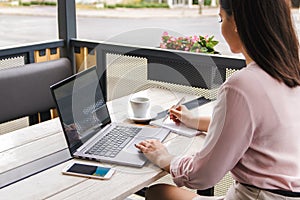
[{"x": 89, "y": 171}]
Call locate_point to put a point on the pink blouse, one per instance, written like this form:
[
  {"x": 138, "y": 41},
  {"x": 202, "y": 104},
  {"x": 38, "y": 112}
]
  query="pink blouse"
[{"x": 254, "y": 133}]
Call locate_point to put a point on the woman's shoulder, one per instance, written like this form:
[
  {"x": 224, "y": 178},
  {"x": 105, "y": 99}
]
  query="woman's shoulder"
[
  {"x": 248, "y": 82},
  {"x": 249, "y": 77}
]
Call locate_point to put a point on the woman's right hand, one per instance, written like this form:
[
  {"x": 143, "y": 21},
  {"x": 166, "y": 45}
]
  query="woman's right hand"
[{"x": 183, "y": 115}]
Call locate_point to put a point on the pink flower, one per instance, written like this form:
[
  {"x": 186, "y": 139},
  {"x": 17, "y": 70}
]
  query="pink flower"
[
  {"x": 186, "y": 43},
  {"x": 195, "y": 38},
  {"x": 163, "y": 46},
  {"x": 165, "y": 33}
]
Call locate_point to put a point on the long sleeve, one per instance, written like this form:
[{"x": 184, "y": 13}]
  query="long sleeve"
[{"x": 229, "y": 136}]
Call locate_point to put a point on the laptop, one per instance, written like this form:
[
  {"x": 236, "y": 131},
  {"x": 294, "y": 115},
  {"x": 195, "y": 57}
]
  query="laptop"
[{"x": 87, "y": 125}]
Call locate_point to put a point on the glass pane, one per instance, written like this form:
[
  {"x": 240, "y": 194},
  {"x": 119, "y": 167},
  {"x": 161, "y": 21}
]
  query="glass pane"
[
  {"x": 145, "y": 26},
  {"x": 27, "y": 24}
]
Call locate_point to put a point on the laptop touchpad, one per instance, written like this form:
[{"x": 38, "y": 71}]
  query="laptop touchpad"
[{"x": 132, "y": 149}]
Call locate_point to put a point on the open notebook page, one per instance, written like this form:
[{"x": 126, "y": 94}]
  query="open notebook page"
[{"x": 180, "y": 129}]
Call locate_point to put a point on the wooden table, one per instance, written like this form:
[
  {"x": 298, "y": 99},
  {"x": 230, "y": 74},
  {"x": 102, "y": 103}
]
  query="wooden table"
[{"x": 39, "y": 153}]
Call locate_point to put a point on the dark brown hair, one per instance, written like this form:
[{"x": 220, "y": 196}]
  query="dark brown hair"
[{"x": 266, "y": 30}]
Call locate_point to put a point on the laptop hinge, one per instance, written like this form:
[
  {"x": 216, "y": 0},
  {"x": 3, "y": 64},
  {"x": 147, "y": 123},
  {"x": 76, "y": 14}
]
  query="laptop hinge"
[{"x": 93, "y": 139}]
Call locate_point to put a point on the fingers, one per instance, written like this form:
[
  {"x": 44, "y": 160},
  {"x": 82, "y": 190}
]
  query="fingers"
[
  {"x": 175, "y": 111},
  {"x": 175, "y": 115},
  {"x": 141, "y": 147},
  {"x": 147, "y": 146}
]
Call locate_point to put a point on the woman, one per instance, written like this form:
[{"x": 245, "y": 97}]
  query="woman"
[{"x": 255, "y": 129}]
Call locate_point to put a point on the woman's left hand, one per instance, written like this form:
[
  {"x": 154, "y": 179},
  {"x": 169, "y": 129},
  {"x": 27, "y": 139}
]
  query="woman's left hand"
[{"x": 156, "y": 152}]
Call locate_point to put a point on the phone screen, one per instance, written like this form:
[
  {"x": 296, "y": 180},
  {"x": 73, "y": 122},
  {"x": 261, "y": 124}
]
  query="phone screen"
[{"x": 89, "y": 170}]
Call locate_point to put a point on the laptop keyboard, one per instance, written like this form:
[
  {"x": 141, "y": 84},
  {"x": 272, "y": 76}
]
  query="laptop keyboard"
[{"x": 113, "y": 142}]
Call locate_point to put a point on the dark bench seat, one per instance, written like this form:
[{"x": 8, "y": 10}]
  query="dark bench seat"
[{"x": 25, "y": 90}]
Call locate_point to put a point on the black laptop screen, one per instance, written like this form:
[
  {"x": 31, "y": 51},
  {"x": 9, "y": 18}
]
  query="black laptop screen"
[{"x": 81, "y": 107}]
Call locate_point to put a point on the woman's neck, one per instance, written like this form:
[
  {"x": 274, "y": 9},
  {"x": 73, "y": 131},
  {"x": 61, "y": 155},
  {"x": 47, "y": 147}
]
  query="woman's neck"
[{"x": 247, "y": 57}]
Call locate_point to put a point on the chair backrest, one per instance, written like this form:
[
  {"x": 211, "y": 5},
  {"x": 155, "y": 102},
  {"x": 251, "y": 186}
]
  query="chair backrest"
[{"x": 25, "y": 90}]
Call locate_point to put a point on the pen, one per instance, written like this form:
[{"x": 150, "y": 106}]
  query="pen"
[{"x": 176, "y": 105}]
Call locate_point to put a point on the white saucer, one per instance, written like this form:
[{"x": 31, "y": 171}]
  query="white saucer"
[{"x": 140, "y": 120}]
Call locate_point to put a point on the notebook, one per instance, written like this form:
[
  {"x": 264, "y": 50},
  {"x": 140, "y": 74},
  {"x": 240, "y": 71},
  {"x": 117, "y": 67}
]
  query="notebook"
[
  {"x": 180, "y": 129},
  {"x": 87, "y": 125}
]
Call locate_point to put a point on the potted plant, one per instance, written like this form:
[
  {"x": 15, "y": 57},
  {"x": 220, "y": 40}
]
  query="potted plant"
[{"x": 198, "y": 44}]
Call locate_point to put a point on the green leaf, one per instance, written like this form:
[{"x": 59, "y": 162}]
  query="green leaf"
[
  {"x": 210, "y": 49},
  {"x": 215, "y": 42},
  {"x": 203, "y": 49}
]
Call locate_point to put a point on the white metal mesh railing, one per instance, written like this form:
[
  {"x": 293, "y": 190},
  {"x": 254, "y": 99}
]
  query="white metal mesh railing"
[
  {"x": 12, "y": 62},
  {"x": 19, "y": 123},
  {"x": 127, "y": 75}
]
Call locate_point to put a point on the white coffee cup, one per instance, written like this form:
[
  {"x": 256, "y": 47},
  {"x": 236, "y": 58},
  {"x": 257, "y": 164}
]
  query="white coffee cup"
[{"x": 140, "y": 106}]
